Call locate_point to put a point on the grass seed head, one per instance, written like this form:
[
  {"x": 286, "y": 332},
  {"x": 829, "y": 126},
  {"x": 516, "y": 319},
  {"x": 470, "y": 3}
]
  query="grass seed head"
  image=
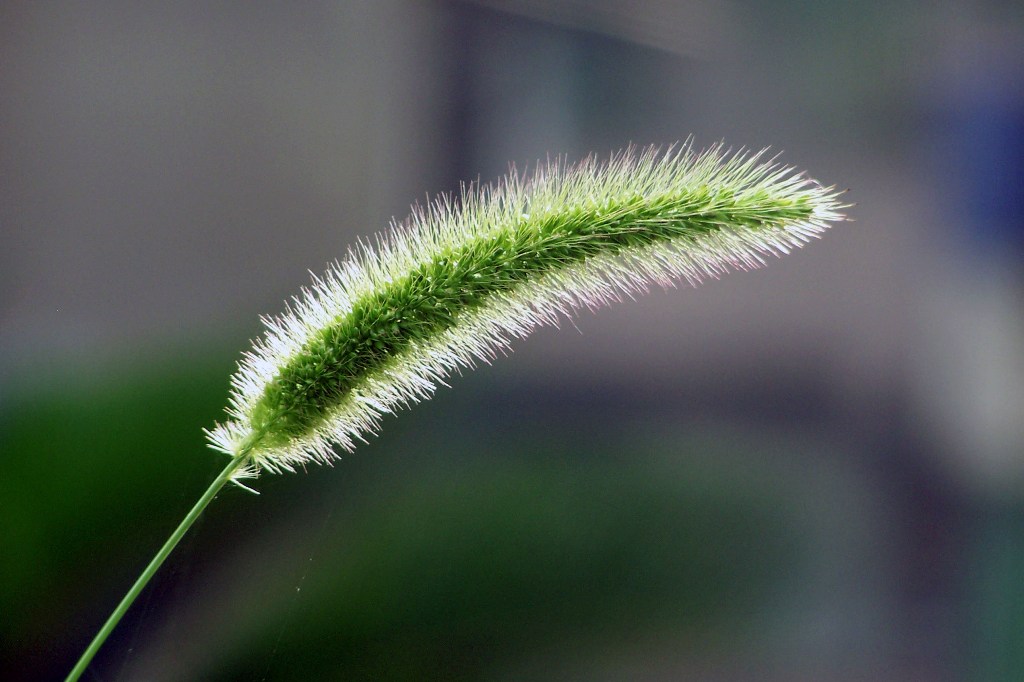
[{"x": 460, "y": 278}]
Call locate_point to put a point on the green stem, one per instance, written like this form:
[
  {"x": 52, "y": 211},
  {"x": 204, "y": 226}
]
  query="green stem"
[{"x": 151, "y": 569}]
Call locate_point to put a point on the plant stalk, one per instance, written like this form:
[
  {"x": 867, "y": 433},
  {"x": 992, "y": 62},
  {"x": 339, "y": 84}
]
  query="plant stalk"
[{"x": 154, "y": 564}]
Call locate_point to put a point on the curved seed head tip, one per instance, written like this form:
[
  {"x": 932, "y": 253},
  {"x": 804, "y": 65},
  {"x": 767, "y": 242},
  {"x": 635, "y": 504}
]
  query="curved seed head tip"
[{"x": 460, "y": 278}]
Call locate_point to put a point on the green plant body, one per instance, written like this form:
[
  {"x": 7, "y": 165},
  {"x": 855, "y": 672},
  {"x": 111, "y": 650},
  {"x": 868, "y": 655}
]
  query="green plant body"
[{"x": 461, "y": 278}]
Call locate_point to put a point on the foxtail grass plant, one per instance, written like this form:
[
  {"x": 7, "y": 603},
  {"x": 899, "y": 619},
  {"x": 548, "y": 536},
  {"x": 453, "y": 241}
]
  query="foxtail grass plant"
[{"x": 462, "y": 277}]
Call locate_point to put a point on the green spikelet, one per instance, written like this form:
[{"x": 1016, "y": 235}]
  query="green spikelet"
[{"x": 458, "y": 280}]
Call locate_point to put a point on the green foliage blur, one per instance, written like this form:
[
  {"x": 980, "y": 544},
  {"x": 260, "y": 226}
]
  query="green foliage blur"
[{"x": 481, "y": 534}]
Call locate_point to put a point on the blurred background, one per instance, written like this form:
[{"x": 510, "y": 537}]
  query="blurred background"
[{"x": 813, "y": 471}]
